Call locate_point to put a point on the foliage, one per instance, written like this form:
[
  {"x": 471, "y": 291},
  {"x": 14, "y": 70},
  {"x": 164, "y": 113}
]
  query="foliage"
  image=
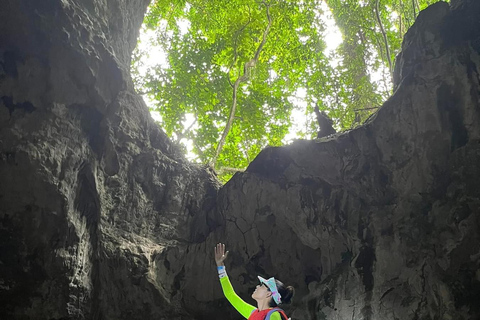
[{"x": 288, "y": 39}]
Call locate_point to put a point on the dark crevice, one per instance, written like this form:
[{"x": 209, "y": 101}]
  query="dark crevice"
[
  {"x": 386, "y": 292},
  {"x": 474, "y": 77},
  {"x": 25, "y": 106},
  {"x": 90, "y": 122},
  {"x": 423, "y": 300},
  {"x": 448, "y": 103},
  {"x": 87, "y": 204},
  {"x": 177, "y": 281},
  {"x": 364, "y": 264}
]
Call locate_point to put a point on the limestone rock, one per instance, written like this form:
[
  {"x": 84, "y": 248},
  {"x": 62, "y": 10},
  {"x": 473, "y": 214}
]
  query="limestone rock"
[
  {"x": 381, "y": 222},
  {"x": 102, "y": 218},
  {"x": 92, "y": 192}
]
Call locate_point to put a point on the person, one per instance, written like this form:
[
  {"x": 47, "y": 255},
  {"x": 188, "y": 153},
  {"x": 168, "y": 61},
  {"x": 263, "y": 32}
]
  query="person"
[{"x": 268, "y": 294}]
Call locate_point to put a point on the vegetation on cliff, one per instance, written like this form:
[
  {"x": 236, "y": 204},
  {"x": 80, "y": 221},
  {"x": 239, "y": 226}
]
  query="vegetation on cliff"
[{"x": 240, "y": 75}]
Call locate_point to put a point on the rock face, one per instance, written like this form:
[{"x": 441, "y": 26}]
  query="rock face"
[
  {"x": 102, "y": 218},
  {"x": 92, "y": 192}
]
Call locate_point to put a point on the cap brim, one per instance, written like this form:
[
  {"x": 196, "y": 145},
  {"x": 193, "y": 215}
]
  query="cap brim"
[{"x": 262, "y": 280}]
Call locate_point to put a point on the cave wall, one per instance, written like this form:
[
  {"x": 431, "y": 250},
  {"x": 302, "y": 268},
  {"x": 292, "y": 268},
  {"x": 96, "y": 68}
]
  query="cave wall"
[
  {"x": 380, "y": 222},
  {"x": 101, "y": 217},
  {"x": 91, "y": 191}
]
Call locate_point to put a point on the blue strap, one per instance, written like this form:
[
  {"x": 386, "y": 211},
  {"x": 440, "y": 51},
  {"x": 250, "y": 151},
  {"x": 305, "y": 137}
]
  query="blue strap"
[{"x": 272, "y": 311}]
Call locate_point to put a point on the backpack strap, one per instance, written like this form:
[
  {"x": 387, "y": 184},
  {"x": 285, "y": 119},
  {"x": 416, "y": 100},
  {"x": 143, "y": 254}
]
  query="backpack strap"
[{"x": 282, "y": 313}]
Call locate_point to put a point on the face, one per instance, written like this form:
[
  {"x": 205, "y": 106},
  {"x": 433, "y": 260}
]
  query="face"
[{"x": 261, "y": 292}]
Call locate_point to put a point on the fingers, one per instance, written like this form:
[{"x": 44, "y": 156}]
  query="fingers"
[{"x": 220, "y": 249}]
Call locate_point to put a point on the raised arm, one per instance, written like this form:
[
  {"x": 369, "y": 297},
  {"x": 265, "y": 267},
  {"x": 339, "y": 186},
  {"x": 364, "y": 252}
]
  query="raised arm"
[{"x": 242, "y": 307}]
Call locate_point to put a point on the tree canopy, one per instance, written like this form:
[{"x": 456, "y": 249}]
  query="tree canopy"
[{"x": 237, "y": 69}]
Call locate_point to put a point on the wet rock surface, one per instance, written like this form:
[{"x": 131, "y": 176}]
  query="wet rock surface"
[{"x": 102, "y": 218}]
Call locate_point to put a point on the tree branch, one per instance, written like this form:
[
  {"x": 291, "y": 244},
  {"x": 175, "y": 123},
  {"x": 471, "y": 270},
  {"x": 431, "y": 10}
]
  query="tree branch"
[
  {"x": 362, "y": 109},
  {"x": 400, "y": 22},
  {"x": 223, "y": 170},
  {"x": 385, "y": 39},
  {"x": 181, "y": 135},
  {"x": 235, "y": 55},
  {"x": 244, "y": 77}
]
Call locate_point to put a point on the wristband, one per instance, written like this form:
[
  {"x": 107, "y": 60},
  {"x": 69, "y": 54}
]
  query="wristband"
[{"x": 221, "y": 272}]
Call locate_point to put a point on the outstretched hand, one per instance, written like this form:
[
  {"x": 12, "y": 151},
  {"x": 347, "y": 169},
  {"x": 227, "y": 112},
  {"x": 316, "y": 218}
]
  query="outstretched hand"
[{"x": 220, "y": 254}]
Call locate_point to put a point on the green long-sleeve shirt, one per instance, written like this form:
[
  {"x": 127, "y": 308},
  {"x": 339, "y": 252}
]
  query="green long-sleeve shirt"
[{"x": 244, "y": 308}]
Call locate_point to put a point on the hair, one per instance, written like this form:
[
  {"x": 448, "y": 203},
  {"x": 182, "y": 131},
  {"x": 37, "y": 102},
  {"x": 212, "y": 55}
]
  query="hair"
[{"x": 285, "y": 292}]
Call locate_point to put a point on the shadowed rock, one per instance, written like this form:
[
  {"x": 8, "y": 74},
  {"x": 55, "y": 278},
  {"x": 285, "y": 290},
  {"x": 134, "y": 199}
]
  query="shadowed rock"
[
  {"x": 325, "y": 123},
  {"x": 101, "y": 217}
]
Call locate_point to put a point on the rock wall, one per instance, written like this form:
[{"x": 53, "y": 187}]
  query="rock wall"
[
  {"x": 102, "y": 218},
  {"x": 381, "y": 222},
  {"x": 91, "y": 191}
]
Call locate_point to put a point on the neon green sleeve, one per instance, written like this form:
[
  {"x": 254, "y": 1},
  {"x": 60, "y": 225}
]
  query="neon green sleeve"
[
  {"x": 276, "y": 316},
  {"x": 244, "y": 308}
]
